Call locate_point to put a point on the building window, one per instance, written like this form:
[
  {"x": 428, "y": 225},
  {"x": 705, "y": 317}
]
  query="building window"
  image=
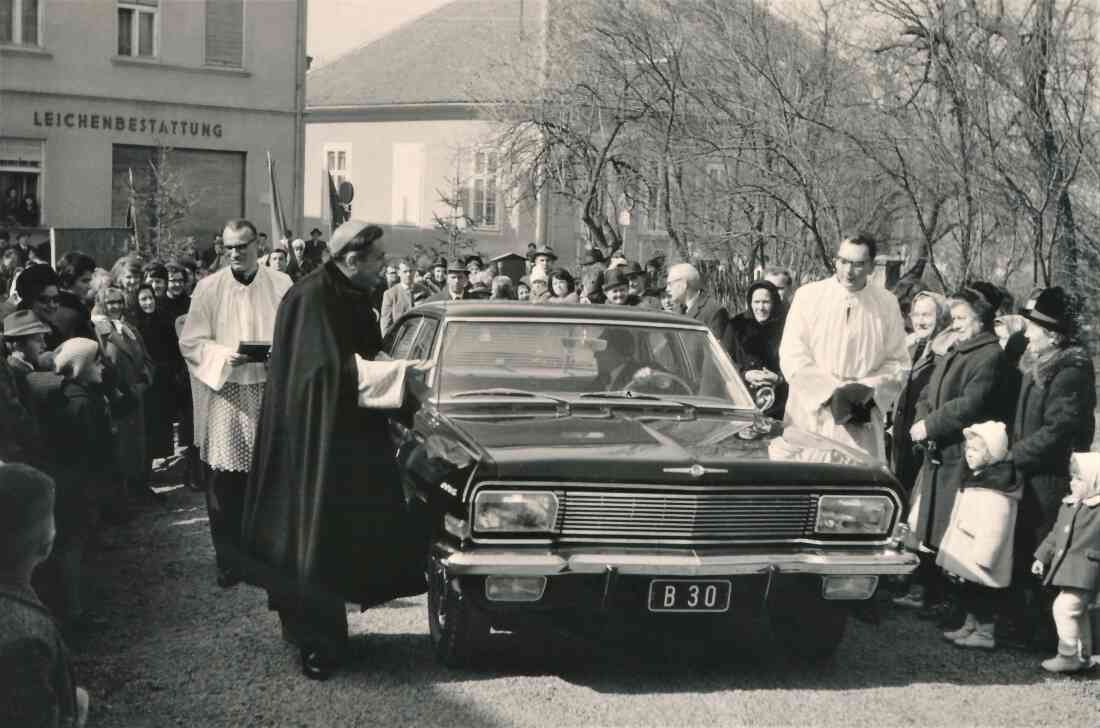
[
  {"x": 225, "y": 33},
  {"x": 20, "y": 21},
  {"x": 408, "y": 182},
  {"x": 482, "y": 195},
  {"x": 20, "y": 183},
  {"x": 338, "y": 165},
  {"x": 137, "y": 28}
]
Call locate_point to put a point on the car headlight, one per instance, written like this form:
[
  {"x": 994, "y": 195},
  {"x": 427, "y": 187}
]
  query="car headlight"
[
  {"x": 515, "y": 511},
  {"x": 854, "y": 514}
]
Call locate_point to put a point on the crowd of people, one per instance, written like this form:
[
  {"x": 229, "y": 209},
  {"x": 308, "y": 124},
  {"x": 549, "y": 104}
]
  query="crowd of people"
[{"x": 984, "y": 412}]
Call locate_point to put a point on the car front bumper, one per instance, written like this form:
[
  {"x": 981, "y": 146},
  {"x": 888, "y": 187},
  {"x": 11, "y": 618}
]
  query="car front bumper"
[{"x": 496, "y": 561}]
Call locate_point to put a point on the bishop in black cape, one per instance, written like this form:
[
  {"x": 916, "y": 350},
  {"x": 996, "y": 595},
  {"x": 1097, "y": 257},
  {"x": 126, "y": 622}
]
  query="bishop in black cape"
[{"x": 325, "y": 519}]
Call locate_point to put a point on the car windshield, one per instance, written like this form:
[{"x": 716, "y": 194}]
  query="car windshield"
[{"x": 571, "y": 359}]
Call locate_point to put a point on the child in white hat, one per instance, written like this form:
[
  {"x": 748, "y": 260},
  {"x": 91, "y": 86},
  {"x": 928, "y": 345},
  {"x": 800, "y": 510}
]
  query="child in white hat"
[
  {"x": 1069, "y": 558},
  {"x": 977, "y": 547}
]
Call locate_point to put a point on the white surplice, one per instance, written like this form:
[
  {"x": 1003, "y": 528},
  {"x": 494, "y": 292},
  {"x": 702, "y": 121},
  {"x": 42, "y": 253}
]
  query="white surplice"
[
  {"x": 224, "y": 312},
  {"x": 833, "y": 337}
]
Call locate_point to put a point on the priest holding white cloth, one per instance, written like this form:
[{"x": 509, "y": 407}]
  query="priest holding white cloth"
[
  {"x": 842, "y": 332},
  {"x": 234, "y": 305},
  {"x": 325, "y": 516}
]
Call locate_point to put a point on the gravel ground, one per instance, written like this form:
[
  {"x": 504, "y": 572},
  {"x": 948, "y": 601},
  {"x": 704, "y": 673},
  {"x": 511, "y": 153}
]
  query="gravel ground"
[{"x": 174, "y": 649}]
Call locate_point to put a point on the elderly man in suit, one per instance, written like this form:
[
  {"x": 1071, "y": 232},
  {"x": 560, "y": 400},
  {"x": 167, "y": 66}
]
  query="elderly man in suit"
[
  {"x": 685, "y": 287},
  {"x": 398, "y": 298}
]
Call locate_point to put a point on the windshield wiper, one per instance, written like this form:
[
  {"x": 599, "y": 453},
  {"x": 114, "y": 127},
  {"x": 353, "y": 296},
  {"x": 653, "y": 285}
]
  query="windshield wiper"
[
  {"x": 505, "y": 392},
  {"x": 635, "y": 396}
]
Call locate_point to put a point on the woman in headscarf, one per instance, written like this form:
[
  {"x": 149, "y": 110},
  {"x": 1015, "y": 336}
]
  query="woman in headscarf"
[
  {"x": 159, "y": 336},
  {"x": 929, "y": 316},
  {"x": 752, "y": 339}
]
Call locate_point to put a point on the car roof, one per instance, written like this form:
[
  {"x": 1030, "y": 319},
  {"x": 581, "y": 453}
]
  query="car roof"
[{"x": 517, "y": 310}]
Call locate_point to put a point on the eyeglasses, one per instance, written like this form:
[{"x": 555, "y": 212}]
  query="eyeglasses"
[{"x": 853, "y": 264}]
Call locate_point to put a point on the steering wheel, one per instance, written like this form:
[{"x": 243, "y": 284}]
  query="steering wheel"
[{"x": 648, "y": 380}]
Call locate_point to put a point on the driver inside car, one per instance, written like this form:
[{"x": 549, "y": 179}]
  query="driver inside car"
[{"x": 616, "y": 363}]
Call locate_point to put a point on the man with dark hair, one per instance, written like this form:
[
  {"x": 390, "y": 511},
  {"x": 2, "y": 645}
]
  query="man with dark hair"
[
  {"x": 844, "y": 338},
  {"x": 398, "y": 298},
  {"x": 316, "y": 538},
  {"x": 232, "y": 307},
  {"x": 37, "y": 688},
  {"x": 74, "y": 304}
]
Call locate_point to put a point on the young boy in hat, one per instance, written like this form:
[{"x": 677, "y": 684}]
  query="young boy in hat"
[
  {"x": 37, "y": 686},
  {"x": 1067, "y": 559}
]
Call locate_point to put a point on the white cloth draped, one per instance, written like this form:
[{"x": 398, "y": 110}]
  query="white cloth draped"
[
  {"x": 223, "y": 313},
  {"x": 832, "y": 337},
  {"x": 381, "y": 383}
]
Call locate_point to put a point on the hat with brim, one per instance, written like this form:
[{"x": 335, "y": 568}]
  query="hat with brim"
[
  {"x": 23, "y": 323},
  {"x": 475, "y": 259},
  {"x": 439, "y": 262},
  {"x": 456, "y": 267},
  {"x": 614, "y": 278},
  {"x": 317, "y": 231},
  {"x": 1051, "y": 309},
  {"x": 544, "y": 251},
  {"x": 634, "y": 269},
  {"x": 349, "y": 231}
]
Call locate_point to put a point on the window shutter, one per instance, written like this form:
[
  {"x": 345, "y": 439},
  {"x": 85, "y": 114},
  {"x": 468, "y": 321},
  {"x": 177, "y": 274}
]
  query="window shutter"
[{"x": 225, "y": 33}]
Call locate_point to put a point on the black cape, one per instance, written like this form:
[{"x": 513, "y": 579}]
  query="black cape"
[{"x": 325, "y": 514}]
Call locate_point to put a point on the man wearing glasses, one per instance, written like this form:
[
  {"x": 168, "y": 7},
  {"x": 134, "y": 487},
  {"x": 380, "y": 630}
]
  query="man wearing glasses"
[
  {"x": 843, "y": 332},
  {"x": 234, "y": 305}
]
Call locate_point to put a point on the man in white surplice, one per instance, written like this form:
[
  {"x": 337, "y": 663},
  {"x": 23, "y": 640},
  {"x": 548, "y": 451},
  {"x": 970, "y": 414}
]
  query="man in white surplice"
[
  {"x": 235, "y": 304},
  {"x": 841, "y": 330}
]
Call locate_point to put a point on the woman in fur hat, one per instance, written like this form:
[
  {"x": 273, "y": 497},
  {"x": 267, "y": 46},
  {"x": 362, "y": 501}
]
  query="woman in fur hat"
[{"x": 1054, "y": 418}]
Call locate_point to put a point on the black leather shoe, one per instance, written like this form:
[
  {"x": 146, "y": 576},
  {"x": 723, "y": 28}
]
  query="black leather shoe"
[
  {"x": 316, "y": 666},
  {"x": 228, "y": 578}
]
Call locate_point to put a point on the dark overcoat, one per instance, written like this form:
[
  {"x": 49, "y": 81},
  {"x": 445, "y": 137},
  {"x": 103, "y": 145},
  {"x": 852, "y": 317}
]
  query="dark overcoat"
[
  {"x": 38, "y": 686},
  {"x": 324, "y": 513},
  {"x": 707, "y": 310},
  {"x": 964, "y": 389},
  {"x": 1054, "y": 419},
  {"x": 905, "y": 460},
  {"x": 1071, "y": 551}
]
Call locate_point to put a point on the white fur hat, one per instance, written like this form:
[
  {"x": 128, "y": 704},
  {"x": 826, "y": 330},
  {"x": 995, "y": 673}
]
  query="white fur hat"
[
  {"x": 995, "y": 437},
  {"x": 74, "y": 356}
]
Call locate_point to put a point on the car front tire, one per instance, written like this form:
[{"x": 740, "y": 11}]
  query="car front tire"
[{"x": 457, "y": 629}]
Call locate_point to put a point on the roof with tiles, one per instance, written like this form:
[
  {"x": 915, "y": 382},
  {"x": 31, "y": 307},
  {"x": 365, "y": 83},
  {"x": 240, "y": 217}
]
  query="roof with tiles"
[{"x": 434, "y": 59}]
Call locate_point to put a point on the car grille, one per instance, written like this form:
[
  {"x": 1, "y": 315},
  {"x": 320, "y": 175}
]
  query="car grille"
[{"x": 702, "y": 517}]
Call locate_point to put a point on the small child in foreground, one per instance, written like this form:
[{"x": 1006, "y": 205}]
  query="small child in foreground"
[{"x": 1068, "y": 558}]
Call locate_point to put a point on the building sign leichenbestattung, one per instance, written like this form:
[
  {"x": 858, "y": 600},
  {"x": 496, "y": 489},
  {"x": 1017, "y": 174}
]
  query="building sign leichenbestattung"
[{"x": 134, "y": 124}]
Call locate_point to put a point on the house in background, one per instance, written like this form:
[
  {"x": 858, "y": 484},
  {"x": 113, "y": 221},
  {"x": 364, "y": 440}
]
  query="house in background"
[
  {"x": 394, "y": 119},
  {"x": 92, "y": 90}
]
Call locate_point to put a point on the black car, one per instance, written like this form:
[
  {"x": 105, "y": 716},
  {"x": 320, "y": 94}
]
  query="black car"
[{"x": 584, "y": 465}]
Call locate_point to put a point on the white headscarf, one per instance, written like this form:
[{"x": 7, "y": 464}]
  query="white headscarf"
[{"x": 1088, "y": 467}]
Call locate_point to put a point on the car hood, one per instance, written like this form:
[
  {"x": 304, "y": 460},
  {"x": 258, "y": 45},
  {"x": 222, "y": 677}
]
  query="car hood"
[{"x": 627, "y": 447}]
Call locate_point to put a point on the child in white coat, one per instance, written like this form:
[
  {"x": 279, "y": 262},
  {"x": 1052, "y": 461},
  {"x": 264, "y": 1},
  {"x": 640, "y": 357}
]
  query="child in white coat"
[{"x": 977, "y": 546}]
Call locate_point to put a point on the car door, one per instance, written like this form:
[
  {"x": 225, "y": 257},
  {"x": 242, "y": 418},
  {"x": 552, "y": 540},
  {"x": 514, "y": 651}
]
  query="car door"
[{"x": 413, "y": 339}]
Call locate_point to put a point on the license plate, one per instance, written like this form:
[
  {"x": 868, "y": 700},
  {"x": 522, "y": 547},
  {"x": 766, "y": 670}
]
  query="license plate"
[{"x": 689, "y": 595}]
